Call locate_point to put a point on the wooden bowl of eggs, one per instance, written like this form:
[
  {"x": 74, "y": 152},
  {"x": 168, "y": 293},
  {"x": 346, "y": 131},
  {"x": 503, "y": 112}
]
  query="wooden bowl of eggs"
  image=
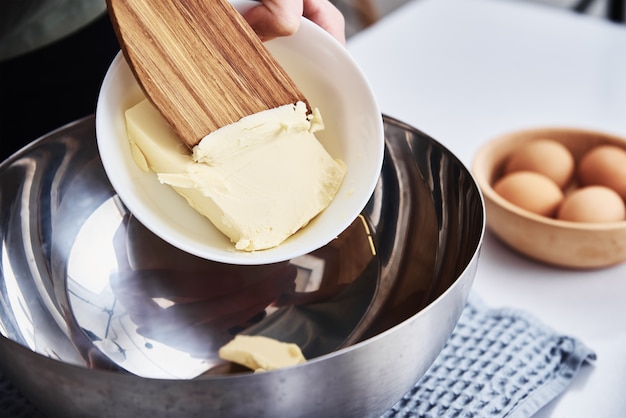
[{"x": 557, "y": 195}]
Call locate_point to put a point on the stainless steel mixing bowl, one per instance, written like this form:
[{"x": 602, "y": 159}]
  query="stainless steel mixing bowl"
[{"x": 101, "y": 318}]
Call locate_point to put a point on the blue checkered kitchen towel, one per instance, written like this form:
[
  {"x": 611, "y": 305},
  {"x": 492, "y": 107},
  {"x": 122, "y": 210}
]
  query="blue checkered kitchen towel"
[{"x": 497, "y": 363}]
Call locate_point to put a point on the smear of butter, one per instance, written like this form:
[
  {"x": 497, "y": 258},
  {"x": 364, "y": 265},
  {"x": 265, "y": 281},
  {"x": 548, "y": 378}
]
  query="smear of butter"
[
  {"x": 258, "y": 180},
  {"x": 261, "y": 353}
]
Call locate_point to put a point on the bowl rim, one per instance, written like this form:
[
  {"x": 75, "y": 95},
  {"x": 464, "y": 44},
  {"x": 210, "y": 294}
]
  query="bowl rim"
[{"x": 483, "y": 170}]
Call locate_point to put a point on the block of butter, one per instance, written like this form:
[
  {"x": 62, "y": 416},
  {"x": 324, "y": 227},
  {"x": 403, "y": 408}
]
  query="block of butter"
[
  {"x": 261, "y": 353},
  {"x": 258, "y": 180}
]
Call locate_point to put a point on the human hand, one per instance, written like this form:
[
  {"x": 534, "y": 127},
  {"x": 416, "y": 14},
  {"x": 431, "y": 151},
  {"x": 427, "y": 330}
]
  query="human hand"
[{"x": 275, "y": 18}]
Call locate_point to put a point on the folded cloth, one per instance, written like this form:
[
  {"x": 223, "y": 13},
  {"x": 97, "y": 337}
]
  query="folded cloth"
[{"x": 497, "y": 363}]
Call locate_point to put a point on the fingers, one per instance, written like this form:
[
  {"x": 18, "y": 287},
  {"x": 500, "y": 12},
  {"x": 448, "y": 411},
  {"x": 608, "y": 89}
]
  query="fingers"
[
  {"x": 275, "y": 18},
  {"x": 327, "y": 16}
]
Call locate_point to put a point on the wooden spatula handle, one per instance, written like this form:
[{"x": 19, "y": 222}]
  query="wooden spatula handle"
[{"x": 199, "y": 62}]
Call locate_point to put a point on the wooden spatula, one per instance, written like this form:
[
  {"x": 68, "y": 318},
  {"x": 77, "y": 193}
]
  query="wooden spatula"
[{"x": 199, "y": 63}]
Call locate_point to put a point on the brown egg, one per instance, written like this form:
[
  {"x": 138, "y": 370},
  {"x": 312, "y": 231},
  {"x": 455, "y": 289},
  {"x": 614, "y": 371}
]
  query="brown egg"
[
  {"x": 544, "y": 156},
  {"x": 531, "y": 191},
  {"x": 593, "y": 204},
  {"x": 604, "y": 165}
]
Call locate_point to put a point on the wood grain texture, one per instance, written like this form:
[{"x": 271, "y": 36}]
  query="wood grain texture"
[{"x": 199, "y": 63}]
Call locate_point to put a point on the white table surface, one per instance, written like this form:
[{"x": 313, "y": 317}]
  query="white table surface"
[{"x": 464, "y": 71}]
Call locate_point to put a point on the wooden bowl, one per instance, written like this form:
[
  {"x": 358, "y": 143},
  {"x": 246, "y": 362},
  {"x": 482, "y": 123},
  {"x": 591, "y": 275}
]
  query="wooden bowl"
[{"x": 557, "y": 242}]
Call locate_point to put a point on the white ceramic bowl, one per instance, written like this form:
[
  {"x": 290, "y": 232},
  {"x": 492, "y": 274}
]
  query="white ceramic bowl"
[{"x": 331, "y": 81}]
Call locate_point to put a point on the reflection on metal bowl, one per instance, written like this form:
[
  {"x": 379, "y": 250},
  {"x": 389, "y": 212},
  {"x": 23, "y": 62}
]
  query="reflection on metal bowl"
[{"x": 99, "y": 317}]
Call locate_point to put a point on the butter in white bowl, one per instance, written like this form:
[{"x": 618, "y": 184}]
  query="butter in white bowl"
[
  {"x": 258, "y": 180},
  {"x": 353, "y": 133}
]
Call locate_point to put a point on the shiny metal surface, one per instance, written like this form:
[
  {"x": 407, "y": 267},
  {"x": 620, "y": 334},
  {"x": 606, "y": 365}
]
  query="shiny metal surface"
[
  {"x": 89, "y": 298},
  {"x": 26, "y": 25}
]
